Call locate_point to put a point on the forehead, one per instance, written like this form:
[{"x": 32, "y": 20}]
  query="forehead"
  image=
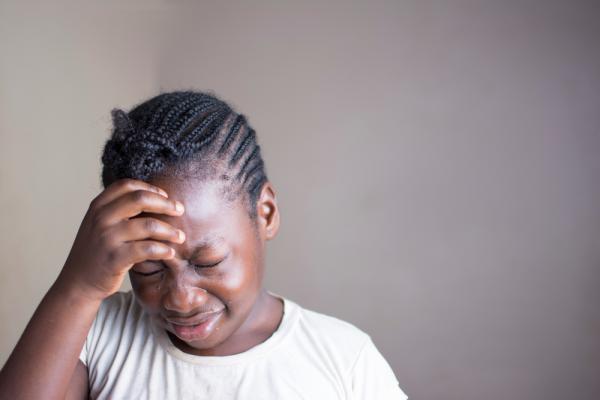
[
  {"x": 202, "y": 199},
  {"x": 209, "y": 219}
]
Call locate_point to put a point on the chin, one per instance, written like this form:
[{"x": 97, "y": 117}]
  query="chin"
[
  {"x": 204, "y": 347},
  {"x": 208, "y": 344}
]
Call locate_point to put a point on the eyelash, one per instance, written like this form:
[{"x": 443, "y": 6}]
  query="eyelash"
[
  {"x": 147, "y": 273},
  {"x": 196, "y": 266},
  {"x": 199, "y": 266}
]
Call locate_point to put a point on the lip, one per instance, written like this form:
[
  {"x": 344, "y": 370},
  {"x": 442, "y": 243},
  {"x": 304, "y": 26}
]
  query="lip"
[{"x": 195, "y": 328}]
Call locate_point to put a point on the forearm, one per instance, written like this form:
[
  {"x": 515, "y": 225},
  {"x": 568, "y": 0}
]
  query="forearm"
[{"x": 43, "y": 361}]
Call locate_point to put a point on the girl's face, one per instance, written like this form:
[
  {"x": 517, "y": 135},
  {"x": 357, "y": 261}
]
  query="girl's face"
[{"x": 204, "y": 295}]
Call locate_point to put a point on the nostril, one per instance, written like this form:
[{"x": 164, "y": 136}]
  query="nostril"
[
  {"x": 172, "y": 303},
  {"x": 184, "y": 300}
]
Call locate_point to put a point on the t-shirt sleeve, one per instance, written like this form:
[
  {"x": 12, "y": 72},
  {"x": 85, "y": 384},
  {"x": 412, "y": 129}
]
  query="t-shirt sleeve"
[
  {"x": 106, "y": 309},
  {"x": 83, "y": 355},
  {"x": 373, "y": 378}
]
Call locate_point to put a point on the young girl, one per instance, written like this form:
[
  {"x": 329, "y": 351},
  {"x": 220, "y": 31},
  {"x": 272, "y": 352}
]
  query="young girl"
[{"x": 186, "y": 212}]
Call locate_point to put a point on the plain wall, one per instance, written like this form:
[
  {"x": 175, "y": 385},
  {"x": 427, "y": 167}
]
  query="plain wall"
[{"x": 436, "y": 164}]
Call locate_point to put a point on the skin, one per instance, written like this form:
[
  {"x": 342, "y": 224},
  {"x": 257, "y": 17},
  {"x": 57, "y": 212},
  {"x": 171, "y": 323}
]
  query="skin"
[
  {"x": 219, "y": 266},
  {"x": 127, "y": 224}
]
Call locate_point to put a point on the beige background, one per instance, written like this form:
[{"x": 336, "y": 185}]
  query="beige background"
[{"x": 437, "y": 166}]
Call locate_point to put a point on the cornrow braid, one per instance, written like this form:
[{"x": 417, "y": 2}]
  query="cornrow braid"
[
  {"x": 177, "y": 115},
  {"x": 206, "y": 131},
  {"x": 173, "y": 130},
  {"x": 183, "y": 122}
]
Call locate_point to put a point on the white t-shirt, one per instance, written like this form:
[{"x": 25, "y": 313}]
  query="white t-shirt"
[{"x": 310, "y": 356}]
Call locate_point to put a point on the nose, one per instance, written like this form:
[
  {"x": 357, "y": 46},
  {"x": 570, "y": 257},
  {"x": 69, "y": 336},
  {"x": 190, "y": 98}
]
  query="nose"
[{"x": 182, "y": 298}]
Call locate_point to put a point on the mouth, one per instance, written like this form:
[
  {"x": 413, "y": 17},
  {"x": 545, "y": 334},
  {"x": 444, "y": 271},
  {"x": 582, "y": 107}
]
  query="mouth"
[{"x": 197, "y": 327}]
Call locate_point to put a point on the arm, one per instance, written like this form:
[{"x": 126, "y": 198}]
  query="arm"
[
  {"x": 45, "y": 358},
  {"x": 79, "y": 385},
  {"x": 45, "y": 362}
]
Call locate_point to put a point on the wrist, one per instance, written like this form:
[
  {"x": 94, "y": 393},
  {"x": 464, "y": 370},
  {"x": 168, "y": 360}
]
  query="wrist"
[{"x": 77, "y": 293}]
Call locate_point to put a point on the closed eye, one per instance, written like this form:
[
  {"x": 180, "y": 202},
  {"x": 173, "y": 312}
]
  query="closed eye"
[
  {"x": 147, "y": 273},
  {"x": 200, "y": 266},
  {"x": 209, "y": 265},
  {"x": 148, "y": 268}
]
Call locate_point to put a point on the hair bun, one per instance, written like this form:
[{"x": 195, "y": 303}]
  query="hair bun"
[{"x": 122, "y": 125}]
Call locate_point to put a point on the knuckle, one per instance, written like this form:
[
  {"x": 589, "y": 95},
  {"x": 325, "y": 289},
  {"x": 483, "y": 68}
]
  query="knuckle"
[
  {"x": 125, "y": 182},
  {"x": 129, "y": 184},
  {"x": 112, "y": 256},
  {"x": 151, "y": 225},
  {"x": 98, "y": 221},
  {"x": 140, "y": 196},
  {"x": 119, "y": 183},
  {"x": 150, "y": 248},
  {"x": 105, "y": 240},
  {"x": 94, "y": 204}
]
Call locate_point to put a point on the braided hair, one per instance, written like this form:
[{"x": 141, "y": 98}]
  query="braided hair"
[{"x": 185, "y": 132}]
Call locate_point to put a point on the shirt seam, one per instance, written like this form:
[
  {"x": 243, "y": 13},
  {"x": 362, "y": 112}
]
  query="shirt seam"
[{"x": 358, "y": 356}]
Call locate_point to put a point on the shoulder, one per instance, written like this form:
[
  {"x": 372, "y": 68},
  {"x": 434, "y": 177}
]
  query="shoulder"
[
  {"x": 330, "y": 326},
  {"x": 331, "y": 336},
  {"x": 349, "y": 350}
]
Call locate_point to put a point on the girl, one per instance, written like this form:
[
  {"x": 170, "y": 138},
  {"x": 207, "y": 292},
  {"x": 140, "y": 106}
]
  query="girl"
[{"x": 186, "y": 212}]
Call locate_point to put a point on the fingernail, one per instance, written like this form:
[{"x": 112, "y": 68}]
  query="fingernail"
[
  {"x": 181, "y": 235},
  {"x": 159, "y": 190},
  {"x": 179, "y": 207}
]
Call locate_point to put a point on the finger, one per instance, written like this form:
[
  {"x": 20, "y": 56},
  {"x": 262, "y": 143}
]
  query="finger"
[
  {"x": 146, "y": 228},
  {"x": 131, "y": 253},
  {"x": 122, "y": 186},
  {"x": 134, "y": 203}
]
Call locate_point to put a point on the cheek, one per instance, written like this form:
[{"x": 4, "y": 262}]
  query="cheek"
[
  {"x": 242, "y": 278},
  {"x": 147, "y": 294}
]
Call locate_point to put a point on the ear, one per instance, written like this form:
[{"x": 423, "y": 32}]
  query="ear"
[{"x": 267, "y": 212}]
